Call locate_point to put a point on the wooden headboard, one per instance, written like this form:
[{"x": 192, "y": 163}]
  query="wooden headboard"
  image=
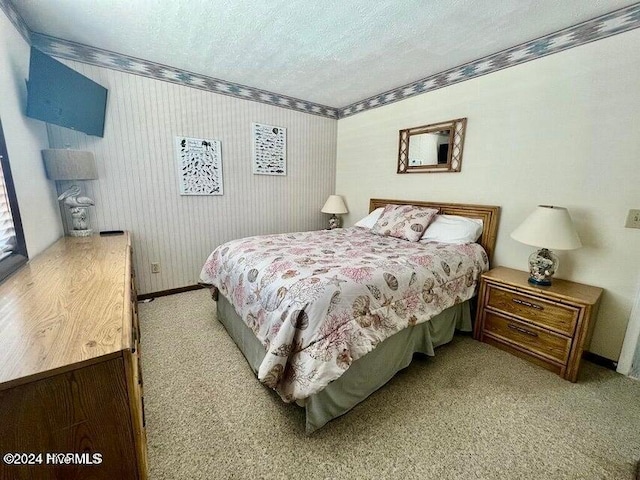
[{"x": 487, "y": 213}]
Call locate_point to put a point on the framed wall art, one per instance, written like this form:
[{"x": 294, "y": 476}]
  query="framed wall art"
[
  {"x": 269, "y": 149},
  {"x": 200, "y": 165}
]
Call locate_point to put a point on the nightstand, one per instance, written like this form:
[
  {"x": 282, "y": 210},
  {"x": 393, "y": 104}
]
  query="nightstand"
[{"x": 548, "y": 326}]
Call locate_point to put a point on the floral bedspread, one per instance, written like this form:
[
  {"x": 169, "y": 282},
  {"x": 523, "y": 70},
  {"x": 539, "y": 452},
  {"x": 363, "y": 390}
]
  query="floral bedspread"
[{"x": 320, "y": 300}]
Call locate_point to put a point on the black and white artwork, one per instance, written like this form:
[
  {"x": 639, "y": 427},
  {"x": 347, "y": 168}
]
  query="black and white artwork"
[
  {"x": 269, "y": 149},
  {"x": 200, "y": 163}
]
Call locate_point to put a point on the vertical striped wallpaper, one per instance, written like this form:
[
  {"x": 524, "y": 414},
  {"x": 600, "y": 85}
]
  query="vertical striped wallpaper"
[{"x": 138, "y": 188}]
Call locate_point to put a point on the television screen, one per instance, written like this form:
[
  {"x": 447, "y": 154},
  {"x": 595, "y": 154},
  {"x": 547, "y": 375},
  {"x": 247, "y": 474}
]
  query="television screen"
[{"x": 58, "y": 94}]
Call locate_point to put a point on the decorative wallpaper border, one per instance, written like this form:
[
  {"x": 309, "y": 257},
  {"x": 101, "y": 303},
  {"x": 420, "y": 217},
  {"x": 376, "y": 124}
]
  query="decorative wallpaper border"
[
  {"x": 58, "y": 47},
  {"x": 619, "y": 21},
  {"x": 16, "y": 19}
]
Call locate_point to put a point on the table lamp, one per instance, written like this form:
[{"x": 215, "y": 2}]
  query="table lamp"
[
  {"x": 548, "y": 228},
  {"x": 335, "y": 206},
  {"x": 67, "y": 164}
]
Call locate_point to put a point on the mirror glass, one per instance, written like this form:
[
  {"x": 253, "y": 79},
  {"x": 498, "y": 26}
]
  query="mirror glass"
[
  {"x": 432, "y": 148},
  {"x": 429, "y": 148}
]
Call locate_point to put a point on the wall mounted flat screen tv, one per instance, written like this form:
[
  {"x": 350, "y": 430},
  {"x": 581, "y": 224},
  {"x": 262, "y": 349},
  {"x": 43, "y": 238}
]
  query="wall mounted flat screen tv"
[{"x": 58, "y": 94}]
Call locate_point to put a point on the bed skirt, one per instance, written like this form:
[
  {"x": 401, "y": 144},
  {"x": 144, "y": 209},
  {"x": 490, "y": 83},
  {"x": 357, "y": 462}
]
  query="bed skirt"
[{"x": 365, "y": 375}]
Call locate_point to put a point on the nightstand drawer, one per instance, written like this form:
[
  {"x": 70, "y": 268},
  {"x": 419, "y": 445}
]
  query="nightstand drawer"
[
  {"x": 537, "y": 340},
  {"x": 561, "y": 318}
]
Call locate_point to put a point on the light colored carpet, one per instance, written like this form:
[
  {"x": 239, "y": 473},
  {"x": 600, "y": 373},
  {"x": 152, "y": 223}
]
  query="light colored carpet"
[{"x": 471, "y": 412}]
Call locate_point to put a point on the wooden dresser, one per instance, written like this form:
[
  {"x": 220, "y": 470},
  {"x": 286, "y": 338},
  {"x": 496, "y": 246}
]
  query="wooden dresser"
[
  {"x": 549, "y": 326},
  {"x": 70, "y": 378}
]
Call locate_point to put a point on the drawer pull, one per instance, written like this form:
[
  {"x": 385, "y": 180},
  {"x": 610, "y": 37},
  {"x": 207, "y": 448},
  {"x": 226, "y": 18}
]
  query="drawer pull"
[
  {"x": 527, "y": 304},
  {"x": 522, "y": 330}
]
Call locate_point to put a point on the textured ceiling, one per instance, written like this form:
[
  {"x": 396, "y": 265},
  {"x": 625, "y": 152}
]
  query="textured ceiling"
[{"x": 332, "y": 52}]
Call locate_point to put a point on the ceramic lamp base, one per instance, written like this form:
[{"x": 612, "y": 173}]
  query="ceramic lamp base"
[
  {"x": 334, "y": 222},
  {"x": 542, "y": 266}
]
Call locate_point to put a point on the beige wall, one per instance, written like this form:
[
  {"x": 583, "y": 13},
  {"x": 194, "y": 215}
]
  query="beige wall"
[
  {"x": 25, "y": 138},
  {"x": 138, "y": 189},
  {"x": 559, "y": 130}
]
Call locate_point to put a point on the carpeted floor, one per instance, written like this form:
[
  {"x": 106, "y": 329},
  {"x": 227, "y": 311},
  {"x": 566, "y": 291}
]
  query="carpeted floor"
[{"x": 471, "y": 412}]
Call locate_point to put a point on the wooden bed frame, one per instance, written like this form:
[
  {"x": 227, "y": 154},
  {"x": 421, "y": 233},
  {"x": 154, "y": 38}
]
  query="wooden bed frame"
[{"x": 489, "y": 214}]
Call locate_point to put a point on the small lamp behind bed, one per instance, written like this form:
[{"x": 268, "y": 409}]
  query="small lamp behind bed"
[{"x": 335, "y": 206}]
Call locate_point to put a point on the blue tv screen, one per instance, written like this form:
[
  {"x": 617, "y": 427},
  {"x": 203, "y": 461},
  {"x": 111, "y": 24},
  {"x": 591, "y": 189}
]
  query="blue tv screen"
[{"x": 58, "y": 94}]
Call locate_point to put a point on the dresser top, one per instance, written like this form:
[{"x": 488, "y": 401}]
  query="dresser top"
[
  {"x": 67, "y": 306},
  {"x": 559, "y": 289}
]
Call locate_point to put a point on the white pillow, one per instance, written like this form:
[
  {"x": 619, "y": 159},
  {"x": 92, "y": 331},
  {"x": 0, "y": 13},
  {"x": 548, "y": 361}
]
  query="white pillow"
[
  {"x": 453, "y": 229},
  {"x": 370, "y": 220}
]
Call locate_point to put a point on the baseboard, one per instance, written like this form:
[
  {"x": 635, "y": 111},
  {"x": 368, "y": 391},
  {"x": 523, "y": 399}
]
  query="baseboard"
[
  {"x": 600, "y": 360},
  {"x": 172, "y": 291}
]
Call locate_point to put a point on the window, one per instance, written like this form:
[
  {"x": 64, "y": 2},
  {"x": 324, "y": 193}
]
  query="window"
[{"x": 13, "y": 250}]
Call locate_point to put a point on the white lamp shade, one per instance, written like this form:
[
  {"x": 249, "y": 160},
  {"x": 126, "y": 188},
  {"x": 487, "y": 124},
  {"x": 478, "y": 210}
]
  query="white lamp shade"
[
  {"x": 334, "y": 204},
  {"x": 66, "y": 164},
  {"x": 548, "y": 227}
]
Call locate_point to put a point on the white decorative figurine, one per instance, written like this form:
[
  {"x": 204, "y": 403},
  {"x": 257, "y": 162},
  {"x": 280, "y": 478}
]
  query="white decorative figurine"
[{"x": 79, "y": 208}]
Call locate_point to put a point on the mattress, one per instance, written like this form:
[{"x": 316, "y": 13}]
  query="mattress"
[{"x": 319, "y": 301}]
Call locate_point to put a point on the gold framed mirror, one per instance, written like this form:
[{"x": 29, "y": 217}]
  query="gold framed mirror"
[{"x": 432, "y": 148}]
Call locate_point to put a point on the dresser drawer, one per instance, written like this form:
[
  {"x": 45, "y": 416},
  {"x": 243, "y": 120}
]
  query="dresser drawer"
[
  {"x": 136, "y": 399},
  {"x": 536, "y": 340},
  {"x": 560, "y": 318},
  {"x": 135, "y": 322}
]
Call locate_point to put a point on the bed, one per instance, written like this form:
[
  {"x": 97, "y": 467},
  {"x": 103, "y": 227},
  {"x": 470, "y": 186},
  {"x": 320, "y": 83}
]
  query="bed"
[{"x": 326, "y": 318}]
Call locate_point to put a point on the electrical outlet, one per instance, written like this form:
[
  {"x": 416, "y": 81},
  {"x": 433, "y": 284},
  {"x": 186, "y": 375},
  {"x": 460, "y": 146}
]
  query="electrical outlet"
[
  {"x": 633, "y": 219},
  {"x": 155, "y": 267}
]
